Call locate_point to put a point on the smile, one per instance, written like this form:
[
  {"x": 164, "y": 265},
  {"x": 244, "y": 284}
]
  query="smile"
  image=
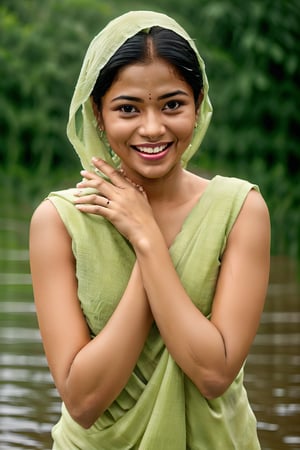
[{"x": 151, "y": 149}]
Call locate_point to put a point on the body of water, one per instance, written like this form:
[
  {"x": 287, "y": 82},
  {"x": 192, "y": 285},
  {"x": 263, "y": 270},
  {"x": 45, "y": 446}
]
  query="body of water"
[{"x": 29, "y": 404}]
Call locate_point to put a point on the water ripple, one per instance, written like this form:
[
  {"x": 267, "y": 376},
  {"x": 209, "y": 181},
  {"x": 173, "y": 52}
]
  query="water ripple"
[
  {"x": 7, "y": 359},
  {"x": 17, "y": 307},
  {"x": 14, "y": 255},
  {"x": 15, "y": 278},
  {"x": 278, "y": 339},
  {"x": 24, "y": 376},
  {"x": 19, "y": 334},
  {"x": 280, "y": 317}
]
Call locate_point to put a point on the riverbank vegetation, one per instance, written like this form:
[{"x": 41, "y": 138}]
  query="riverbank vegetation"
[{"x": 251, "y": 51}]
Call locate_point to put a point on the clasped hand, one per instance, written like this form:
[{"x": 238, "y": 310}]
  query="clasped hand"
[{"x": 118, "y": 199}]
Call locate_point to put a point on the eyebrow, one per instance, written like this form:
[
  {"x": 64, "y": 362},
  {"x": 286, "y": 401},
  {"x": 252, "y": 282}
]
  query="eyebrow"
[
  {"x": 140, "y": 100},
  {"x": 172, "y": 94}
]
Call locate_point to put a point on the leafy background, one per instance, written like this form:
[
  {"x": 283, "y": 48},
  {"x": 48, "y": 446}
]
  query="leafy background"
[{"x": 251, "y": 51}]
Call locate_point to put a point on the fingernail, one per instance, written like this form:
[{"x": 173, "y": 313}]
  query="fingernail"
[{"x": 94, "y": 159}]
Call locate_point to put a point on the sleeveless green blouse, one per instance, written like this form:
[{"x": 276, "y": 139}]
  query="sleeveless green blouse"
[{"x": 160, "y": 408}]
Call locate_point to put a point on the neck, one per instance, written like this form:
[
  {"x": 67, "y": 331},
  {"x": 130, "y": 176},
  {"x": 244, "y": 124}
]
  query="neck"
[{"x": 165, "y": 189}]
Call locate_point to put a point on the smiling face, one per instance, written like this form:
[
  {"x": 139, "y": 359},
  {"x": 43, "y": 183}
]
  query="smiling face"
[{"x": 148, "y": 115}]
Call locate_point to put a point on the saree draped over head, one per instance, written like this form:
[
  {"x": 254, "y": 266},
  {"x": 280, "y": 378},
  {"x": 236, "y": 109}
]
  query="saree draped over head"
[
  {"x": 82, "y": 127},
  {"x": 159, "y": 408}
]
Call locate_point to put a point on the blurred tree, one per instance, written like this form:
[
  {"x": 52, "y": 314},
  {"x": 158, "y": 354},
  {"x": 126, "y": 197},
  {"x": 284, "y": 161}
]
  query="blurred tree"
[
  {"x": 252, "y": 54},
  {"x": 42, "y": 46},
  {"x": 251, "y": 51}
]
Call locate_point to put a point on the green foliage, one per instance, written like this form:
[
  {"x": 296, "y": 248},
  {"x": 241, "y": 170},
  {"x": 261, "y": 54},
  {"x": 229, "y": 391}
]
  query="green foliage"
[
  {"x": 252, "y": 57},
  {"x": 42, "y": 47},
  {"x": 251, "y": 51}
]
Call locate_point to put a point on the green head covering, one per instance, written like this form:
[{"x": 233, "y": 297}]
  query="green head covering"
[{"x": 82, "y": 129}]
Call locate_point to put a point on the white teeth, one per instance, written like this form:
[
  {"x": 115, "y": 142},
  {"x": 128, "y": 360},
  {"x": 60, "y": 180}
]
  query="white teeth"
[{"x": 152, "y": 150}]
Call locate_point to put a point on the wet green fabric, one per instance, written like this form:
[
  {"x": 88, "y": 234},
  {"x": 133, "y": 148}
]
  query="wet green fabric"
[
  {"x": 82, "y": 127},
  {"x": 160, "y": 408}
]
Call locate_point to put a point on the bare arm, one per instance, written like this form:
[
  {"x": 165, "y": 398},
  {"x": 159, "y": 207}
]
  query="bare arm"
[
  {"x": 89, "y": 374},
  {"x": 210, "y": 352}
]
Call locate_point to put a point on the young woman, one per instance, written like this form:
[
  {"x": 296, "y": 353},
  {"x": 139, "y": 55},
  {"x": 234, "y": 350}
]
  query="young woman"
[{"x": 149, "y": 281}]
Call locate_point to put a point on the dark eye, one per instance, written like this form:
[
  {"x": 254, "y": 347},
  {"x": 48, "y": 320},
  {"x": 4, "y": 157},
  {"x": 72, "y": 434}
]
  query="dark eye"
[
  {"x": 127, "y": 109},
  {"x": 172, "y": 105}
]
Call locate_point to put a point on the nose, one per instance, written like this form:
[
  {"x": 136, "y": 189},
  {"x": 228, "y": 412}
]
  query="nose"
[{"x": 152, "y": 126}]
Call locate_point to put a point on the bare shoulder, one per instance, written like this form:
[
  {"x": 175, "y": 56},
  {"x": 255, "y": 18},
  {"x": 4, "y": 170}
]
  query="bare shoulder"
[
  {"x": 47, "y": 228},
  {"x": 46, "y": 219},
  {"x": 253, "y": 223},
  {"x": 254, "y": 211},
  {"x": 44, "y": 213},
  {"x": 255, "y": 204}
]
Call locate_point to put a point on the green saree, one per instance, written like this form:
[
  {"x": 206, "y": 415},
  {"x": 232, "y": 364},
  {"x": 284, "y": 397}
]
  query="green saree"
[{"x": 159, "y": 408}]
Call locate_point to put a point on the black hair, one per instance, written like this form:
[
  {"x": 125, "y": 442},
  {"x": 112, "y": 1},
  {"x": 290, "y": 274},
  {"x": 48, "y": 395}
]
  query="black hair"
[{"x": 142, "y": 47}]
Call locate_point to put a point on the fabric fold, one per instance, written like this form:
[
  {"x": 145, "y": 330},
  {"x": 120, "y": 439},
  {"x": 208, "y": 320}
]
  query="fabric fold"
[
  {"x": 82, "y": 128},
  {"x": 158, "y": 395}
]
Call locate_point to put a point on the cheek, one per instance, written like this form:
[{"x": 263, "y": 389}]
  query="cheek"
[
  {"x": 117, "y": 132},
  {"x": 186, "y": 122},
  {"x": 185, "y": 129}
]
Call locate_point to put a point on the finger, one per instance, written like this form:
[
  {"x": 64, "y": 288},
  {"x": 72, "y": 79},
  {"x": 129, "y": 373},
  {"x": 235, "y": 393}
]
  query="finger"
[
  {"x": 92, "y": 199},
  {"x": 92, "y": 205},
  {"x": 95, "y": 182},
  {"x": 93, "y": 209},
  {"x": 89, "y": 175},
  {"x": 114, "y": 175}
]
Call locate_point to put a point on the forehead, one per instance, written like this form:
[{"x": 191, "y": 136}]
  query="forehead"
[{"x": 154, "y": 74}]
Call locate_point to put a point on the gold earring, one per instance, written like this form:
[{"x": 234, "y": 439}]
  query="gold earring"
[
  {"x": 196, "y": 125},
  {"x": 101, "y": 132}
]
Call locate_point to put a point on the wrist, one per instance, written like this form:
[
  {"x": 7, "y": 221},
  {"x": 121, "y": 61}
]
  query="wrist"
[{"x": 146, "y": 242}]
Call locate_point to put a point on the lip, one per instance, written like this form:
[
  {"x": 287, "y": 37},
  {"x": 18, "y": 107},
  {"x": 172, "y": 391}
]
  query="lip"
[{"x": 152, "y": 156}]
